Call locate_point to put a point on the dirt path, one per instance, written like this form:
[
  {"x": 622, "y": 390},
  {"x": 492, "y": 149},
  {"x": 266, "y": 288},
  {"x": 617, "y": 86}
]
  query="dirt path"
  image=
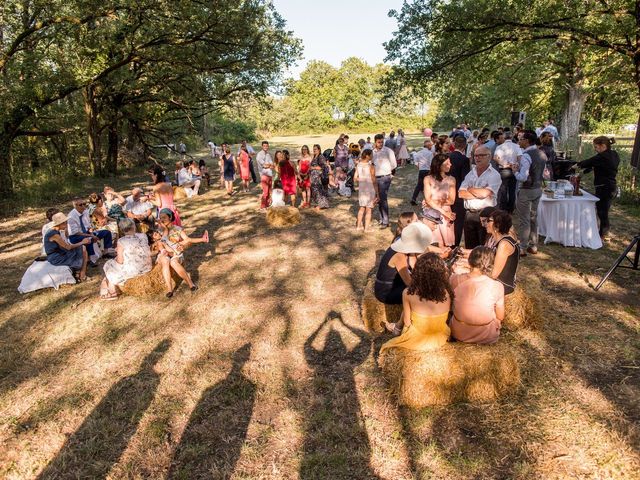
[{"x": 266, "y": 372}]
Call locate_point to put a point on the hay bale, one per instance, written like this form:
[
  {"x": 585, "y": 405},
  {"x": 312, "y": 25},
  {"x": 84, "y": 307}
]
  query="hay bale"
[
  {"x": 179, "y": 193},
  {"x": 282, "y": 217},
  {"x": 457, "y": 372},
  {"x": 151, "y": 283},
  {"x": 374, "y": 312},
  {"x": 521, "y": 311}
]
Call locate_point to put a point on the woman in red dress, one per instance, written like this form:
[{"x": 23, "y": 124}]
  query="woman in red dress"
[
  {"x": 245, "y": 173},
  {"x": 288, "y": 175},
  {"x": 304, "y": 181}
]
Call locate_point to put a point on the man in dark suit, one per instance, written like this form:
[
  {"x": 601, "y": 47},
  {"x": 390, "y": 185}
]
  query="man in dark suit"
[{"x": 460, "y": 166}]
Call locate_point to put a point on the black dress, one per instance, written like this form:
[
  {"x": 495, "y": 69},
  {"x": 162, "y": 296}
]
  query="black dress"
[
  {"x": 507, "y": 276},
  {"x": 389, "y": 284}
]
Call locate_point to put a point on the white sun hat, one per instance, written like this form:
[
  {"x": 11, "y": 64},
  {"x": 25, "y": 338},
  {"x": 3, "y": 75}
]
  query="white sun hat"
[{"x": 415, "y": 238}]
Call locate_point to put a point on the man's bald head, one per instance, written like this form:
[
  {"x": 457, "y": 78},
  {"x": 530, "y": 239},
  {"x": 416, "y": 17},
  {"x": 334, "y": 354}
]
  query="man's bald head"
[{"x": 482, "y": 157}]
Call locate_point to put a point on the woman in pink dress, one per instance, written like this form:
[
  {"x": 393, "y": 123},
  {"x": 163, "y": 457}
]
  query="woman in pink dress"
[
  {"x": 245, "y": 172},
  {"x": 304, "y": 180},
  {"x": 478, "y": 305},
  {"x": 288, "y": 175},
  {"x": 440, "y": 193},
  {"x": 163, "y": 194}
]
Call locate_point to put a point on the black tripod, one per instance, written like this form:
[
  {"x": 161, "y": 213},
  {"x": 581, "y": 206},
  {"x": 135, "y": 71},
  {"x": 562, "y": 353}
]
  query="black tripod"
[{"x": 634, "y": 264}]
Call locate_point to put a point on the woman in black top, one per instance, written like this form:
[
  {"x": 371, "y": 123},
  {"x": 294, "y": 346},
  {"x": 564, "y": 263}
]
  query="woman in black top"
[
  {"x": 605, "y": 168},
  {"x": 505, "y": 264}
]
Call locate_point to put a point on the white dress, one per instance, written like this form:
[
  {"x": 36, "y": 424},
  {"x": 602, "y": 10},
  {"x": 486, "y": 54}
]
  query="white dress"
[{"x": 136, "y": 259}]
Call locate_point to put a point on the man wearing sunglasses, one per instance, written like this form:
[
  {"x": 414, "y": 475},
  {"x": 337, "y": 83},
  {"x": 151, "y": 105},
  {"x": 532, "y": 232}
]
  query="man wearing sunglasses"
[{"x": 79, "y": 227}]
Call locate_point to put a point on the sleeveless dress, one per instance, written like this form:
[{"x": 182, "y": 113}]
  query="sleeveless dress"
[
  {"x": 342, "y": 157},
  {"x": 366, "y": 190},
  {"x": 136, "y": 259},
  {"x": 318, "y": 187},
  {"x": 403, "y": 153},
  {"x": 288, "y": 177},
  {"x": 507, "y": 276},
  {"x": 304, "y": 165},
  {"x": 389, "y": 284},
  {"x": 444, "y": 234},
  {"x": 166, "y": 201},
  {"x": 56, "y": 255},
  {"x": 426, "y": 332},
  {"x": 245, "y": 173},
  {"x": 229, "y": 168}
]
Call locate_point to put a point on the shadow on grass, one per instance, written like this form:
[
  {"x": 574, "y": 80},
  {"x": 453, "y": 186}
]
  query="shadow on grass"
[
  {"x": 104, "y": 435},
  {"x": 336, "y": 443},
  {"x": 212, "y": 441}
]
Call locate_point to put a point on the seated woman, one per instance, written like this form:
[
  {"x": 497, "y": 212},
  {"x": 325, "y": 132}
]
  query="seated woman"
[
  {"x": 426, "y": 303},
  {"x": 48, "y": 226},
  {"x": 114, "y": 203},
  {"x": 175, "y": 240},
  {"x": 505, "y": 264},
  {"x": 394, "y": 271},
  {"x": 478, "y": 308},
  {"x": 60, "y": 252},
  {"x": 404, "y": 219},
  {"x": 133, "y": 258}
]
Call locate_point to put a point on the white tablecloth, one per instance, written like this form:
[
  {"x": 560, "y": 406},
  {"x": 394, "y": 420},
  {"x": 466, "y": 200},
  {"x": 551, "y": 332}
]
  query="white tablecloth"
[{"x": 570, "y": 221}]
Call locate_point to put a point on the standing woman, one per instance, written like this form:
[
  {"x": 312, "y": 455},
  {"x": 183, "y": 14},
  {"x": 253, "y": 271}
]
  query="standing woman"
[
  {"x": 341, "y": 154},
  {"x": 288, "y": 175},
  {"x": 439, "y": 194},
  {"x": 162, "y": 196},
  {"x": 243, "y": 164},
  {"x": 229, "y": 169},
  {"x": 605, "y": 168},
  {"x": 317, "y": 171},
  {"x": 367, "y": 189},
  {"x": 403, "y": 153},
  {"x": 304, "y": 182}
]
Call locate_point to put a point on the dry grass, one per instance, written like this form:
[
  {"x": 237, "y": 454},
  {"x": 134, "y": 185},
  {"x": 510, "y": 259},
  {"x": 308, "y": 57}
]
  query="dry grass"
[
  {"x": 283, "y": 217},
  {"x": 149, "y": 388},
  {"x": 455, "y": 373},
  {"x": 522, "y": 311}
]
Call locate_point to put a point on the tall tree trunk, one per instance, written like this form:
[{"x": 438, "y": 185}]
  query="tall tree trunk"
[
  {"x": 6, "y": 180},
  {"x": 112, "y": 149},
  {"x": 93, "y": 132},
  {"x": 572, "y": 113}
]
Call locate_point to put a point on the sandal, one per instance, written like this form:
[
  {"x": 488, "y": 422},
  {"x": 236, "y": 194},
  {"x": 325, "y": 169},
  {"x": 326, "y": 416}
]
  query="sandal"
[
  {"x": 194, "y": 288},
  {"x": 109, "y": 296},
  {"x": 169, "y": 294}
]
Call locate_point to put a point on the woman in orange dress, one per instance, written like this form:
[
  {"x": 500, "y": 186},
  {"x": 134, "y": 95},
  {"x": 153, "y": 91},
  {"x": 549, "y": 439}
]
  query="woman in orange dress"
[{"x": 245, "y": 172}]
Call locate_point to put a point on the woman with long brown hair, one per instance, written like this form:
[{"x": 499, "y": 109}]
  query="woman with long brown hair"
[
  {"x": 426, "y": 303},
  {"x": 439, "y": 194}
]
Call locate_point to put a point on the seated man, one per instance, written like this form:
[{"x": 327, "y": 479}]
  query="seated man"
[
  {"x": 79, "y": 227},
  {"x": 138, "y": 208},
  {"x": 185, "y": 180}
]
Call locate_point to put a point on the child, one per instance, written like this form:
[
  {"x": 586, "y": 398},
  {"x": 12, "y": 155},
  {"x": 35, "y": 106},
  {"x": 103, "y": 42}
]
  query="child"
[
  {"x": 204, "y": 170},
  {"x": 404, "y": 219},
  {"x": 367, "y": 189},
  {"x": 277, "y": 195}
]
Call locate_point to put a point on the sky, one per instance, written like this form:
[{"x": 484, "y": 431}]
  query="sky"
[{"x": 333, "y": 30}]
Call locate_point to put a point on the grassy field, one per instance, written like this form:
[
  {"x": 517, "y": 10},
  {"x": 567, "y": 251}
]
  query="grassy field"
[{"x": 266, "y": 372}]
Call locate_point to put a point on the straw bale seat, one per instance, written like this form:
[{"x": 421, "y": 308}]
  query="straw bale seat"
[
  {"x": 283, "y": 217},
  {"x": 375, "y": 313},
  {"x": 151, "y": 283},
  {"x": 521, "y": 311},
  {"x": 179, "y": 193}
]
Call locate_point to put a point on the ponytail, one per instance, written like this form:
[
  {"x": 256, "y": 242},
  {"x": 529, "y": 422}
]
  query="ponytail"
[{"x": 604, "y": 140}]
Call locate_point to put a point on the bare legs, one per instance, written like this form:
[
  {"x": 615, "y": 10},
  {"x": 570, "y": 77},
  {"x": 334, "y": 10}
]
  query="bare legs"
[
  {"x": 174, "y": 264},
  {"x": 364, "y": 213}
]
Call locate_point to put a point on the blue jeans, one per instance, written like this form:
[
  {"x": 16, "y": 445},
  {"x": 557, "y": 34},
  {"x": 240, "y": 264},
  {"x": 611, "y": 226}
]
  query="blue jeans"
[
  {"x": 384, "y": 182},
  {"x": 104, "y": 235}
]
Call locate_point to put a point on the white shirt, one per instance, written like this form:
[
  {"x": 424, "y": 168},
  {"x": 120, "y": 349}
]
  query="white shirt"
[
  {"x": 367, "y": 146},
  {"x": 136, "y": 207},
  {"x": 264, "y": 158},
  {"x": 75, "y": 220},
  {"x": 277, "y": 197},
  {"x": 490, "y": 179},
  {"x": 384, "y": 160},
  {"x": 423, "y": 158},
  {"x": 183, "y": 176},
  {"x": 507, "y": 154}
]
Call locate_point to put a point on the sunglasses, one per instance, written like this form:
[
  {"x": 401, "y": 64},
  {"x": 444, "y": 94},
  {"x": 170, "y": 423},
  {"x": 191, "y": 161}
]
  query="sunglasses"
[{"x": 81, "y": 204}]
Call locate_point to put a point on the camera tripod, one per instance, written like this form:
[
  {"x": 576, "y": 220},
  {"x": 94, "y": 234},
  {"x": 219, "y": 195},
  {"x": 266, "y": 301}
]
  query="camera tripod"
[{"x": 634, "y": 264}]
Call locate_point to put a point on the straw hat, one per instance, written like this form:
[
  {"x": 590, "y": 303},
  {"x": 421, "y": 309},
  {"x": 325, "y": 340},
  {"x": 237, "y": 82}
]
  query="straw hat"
[
  {"x": 415, "y": 238},
  {"x": 58, "y": 219}
]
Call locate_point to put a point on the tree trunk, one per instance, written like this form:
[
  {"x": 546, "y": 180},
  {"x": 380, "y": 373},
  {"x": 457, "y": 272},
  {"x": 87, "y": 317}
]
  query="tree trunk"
[
  {"x": 6, "y": 181},
  {"x": 571, "y": 115},
  {"x": 93, "y": 133},
  {"x": 112, "y": 149}
]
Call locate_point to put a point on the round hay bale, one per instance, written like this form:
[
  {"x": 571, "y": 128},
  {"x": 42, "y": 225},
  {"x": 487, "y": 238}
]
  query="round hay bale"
[
  {"x": 151, "y": 283},
  {"x": 282, "y": 217},
  {"x": 455, "y": 373},
  {"x": 375, "y": 313},
  {"x": 179, "y": 193},
  {"x": 521, "y": 311}
]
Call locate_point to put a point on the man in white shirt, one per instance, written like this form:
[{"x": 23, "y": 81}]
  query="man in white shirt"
[
  {"x": 384, "y": 162},
  {"x": 551, "y": 128},
  {"x": 479, "y": 189},
  {"x": 138, "y": 208},
  {"x": 186, "y": 181},
  {"x": 368, "y": 145},
  {"x": 506, "y": 157},
  {"x": 265, "y": 167},
  {"x": 79, "y": 227},
  {"x": 423, "y": 160}
]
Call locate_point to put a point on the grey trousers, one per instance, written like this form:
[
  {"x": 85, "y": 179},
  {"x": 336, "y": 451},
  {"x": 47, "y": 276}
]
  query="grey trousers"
[{"x": 527, "y": 216}]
